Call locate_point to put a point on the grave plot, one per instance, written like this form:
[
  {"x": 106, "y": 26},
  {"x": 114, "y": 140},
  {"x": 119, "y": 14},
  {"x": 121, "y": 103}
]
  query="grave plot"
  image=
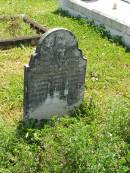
[{"x": 16, "y": 30}]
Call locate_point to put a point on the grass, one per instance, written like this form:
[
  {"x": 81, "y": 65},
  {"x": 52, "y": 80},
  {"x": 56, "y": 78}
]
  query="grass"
[
  {"x": 96, "y": 138},
  {"x": 15, "y": 27}
]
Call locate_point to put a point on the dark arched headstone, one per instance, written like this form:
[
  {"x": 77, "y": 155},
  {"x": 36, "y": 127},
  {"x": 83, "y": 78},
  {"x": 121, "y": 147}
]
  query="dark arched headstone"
[{"x": 54, "y": 79}]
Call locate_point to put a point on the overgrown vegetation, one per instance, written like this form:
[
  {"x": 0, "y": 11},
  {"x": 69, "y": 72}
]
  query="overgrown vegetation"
[
  {"x": 96, "y": 137},
  {"x": 14, "y": 27}
]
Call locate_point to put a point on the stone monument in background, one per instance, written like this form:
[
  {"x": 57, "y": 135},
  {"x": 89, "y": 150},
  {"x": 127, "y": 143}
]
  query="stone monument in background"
[{"x": 54, "y": 79}]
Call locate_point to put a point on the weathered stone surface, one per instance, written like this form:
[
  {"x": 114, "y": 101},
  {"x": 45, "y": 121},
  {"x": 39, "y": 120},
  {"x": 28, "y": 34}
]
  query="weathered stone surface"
[{"x": 54, "y": 79}]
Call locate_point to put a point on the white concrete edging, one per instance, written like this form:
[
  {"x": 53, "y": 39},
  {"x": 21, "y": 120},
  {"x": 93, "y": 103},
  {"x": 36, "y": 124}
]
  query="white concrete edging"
[{"x": 116, "y": 21}]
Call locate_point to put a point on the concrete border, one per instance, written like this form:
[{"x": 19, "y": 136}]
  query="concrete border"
[{"x": 112, "y": 19}]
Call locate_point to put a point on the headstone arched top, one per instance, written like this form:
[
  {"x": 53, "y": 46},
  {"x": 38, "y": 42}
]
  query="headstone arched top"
[{"x": 56, "y": 47}]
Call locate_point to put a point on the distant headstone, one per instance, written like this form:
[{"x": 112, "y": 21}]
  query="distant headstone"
[{"x": 54, "y": 79}]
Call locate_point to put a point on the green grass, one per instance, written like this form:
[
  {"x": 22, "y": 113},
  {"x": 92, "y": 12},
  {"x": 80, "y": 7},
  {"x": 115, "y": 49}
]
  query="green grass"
[
  {"x": 96, "y": 137},
  {"x": 15, "y": 27}
]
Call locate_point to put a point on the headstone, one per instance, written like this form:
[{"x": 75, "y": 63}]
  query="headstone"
[{"x": 55, "y": 77}]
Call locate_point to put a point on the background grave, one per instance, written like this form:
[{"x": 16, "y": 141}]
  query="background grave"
[{"x": 18, "y": 30}]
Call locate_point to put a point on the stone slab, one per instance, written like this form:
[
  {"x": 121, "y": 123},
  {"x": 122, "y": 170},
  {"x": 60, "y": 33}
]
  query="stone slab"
[{"x": 54, "y": 79}]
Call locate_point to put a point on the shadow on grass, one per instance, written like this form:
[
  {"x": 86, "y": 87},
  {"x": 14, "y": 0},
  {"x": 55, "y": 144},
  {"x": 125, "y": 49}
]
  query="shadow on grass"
[
  {"x": 27, "y": 130},
  {"x": 91, "y": 24},
  {"x": 86, "y": 112}
]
